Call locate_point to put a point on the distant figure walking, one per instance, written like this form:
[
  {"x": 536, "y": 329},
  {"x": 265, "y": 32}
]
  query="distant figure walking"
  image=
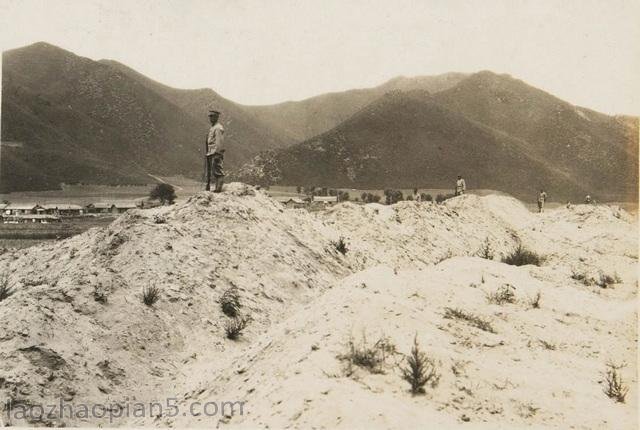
[
  {"x": 461, "y": 186},
  {"x": 542, "y": 198},
  {"x": 416, "y": 195},
  {"x": 214, "y": 152}
]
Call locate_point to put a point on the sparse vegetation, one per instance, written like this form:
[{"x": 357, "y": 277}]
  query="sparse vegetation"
[
  {"x": 5, "y": 290},
  {"x": 159, "y": 219},
  {"x": 606, "y": 280},
  {"x": 504, "y": 294},
  {"x": 370, "y": 357},
  {"x": 535, "y": 301},
  {"x": 470, "y": 318},
  {"x": 485, "y": 250},
  {"x": 235, "y": 326},
  {"x": 547, "y": 345},
  {"x": 581, "y": 277},
  {"x": 99, "y": 295},
  {"x": 340, "y": 245},
  {"x": 522, "y": 257},
  {"x": 150, "y": 295},
  {"x": 230, "y": 302},
  {"x": 615, "y": 387},
  {"x": 420, "y": 370}
]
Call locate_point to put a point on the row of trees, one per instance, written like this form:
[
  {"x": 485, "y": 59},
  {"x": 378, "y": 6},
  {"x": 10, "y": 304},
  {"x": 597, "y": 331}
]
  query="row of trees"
[
  {"x": 343, "y": 196},
  {"x": 391, "y": 196},
  {"x": 394, "y": 196}
]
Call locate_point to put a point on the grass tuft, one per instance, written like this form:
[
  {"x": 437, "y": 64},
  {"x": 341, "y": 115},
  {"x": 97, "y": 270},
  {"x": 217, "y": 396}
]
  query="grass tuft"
[
  {"x": 340, "y": 245},
  {"x": 150, "y": 295},
  {"x": 535, "y": 301},
  {"x": 504, "y": 294},
  {"x": 235, "y": 326},
  {"x": 522, "y": 257},
  {"x": 5, "y": 290},
  {"x": 469, "y": 318},
  {"x": 369, "y": 357},
  {"x": 615, "y": 388}
]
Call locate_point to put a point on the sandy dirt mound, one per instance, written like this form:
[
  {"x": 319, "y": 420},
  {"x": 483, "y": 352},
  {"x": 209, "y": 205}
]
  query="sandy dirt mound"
[{"x": 76, "y": 328}]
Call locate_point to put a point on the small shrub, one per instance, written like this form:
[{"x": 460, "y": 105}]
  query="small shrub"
[
  {"x": 522, "y": 257},
  {"x": 230, "y": 302},
  {"x": 547, "y": 345},
  {"x": 5, "y": 290},
  {"x": 420, "y": 370},
  {"x": 535, "y": 301},
  {"x": 340, "y": 245},
  {"x": 486, "y": 251},
  {"x": 370, "y": 357},
  {"x": 440, "y": 198},
  {"x": 99, "y": 295},
  {"x": 150, "y": 295},
  {"x": 159, "y": 219},
  {"x": 605, "y": 280},
  {"x": 504, "y": 294},
  {"x": 470, "y": 318},
  {"x": 615, "y": 387},
  {"x": 234, "y": 326},
  {"x": 581, "y": 277}
]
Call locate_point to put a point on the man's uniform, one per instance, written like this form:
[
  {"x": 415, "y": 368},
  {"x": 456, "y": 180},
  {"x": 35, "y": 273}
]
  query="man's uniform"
[
  {"x": 215, "y": 151},
  {"x": 542, "y": 197},
  {"x": 461, "y": 186}
]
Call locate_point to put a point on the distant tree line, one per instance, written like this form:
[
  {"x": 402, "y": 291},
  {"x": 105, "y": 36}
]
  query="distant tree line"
[
  {"x": 343, "y": 196},
  {"x": 391, "y": 196}
]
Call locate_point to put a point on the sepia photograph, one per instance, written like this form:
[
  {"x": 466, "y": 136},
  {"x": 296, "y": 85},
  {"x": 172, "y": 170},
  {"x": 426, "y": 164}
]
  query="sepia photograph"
[{"x": 335, "y": 214}]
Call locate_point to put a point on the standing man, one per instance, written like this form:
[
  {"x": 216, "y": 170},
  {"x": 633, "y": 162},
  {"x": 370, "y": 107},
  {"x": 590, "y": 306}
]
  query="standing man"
[
  {"x": 416, "y": 195},
  {"x": 214, "y": 152},
  {"x": 542, "y": 198},
  {"x": 461, "y": 186}
]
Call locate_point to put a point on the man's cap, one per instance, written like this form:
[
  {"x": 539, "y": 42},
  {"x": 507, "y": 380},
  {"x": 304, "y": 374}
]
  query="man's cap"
[{"x": 213, "y": 112}]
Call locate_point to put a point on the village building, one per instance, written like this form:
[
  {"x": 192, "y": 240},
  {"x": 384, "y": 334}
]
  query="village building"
[
  {"x": 22, "y": 209},
  {"x": 63, "y": 209},
  {"x": 291, "y": 202},
  {"x": 110, "y": 207},
  {"x": 327, "y": 200}
]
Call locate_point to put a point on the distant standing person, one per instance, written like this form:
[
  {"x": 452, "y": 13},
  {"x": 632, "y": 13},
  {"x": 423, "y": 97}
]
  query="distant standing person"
[
  {"x": 214, "y": 152},
  {"x": 542, "y": 198},
  {"x": 461, "y": 186},
  {"x": 416, "y": 195}
]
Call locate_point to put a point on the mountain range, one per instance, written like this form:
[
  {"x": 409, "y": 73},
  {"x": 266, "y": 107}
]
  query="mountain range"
[
  {"x": 495, "y": 130},
  {"x": 69, "y": 119}
]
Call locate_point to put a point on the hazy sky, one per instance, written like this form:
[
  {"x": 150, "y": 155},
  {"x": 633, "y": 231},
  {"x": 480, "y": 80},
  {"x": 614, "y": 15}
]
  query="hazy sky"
[{"x": 258, "y": 52}]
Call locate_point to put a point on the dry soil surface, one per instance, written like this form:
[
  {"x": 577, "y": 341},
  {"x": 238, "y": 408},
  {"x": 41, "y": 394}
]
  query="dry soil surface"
[{"x": 76, "y": 329}]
